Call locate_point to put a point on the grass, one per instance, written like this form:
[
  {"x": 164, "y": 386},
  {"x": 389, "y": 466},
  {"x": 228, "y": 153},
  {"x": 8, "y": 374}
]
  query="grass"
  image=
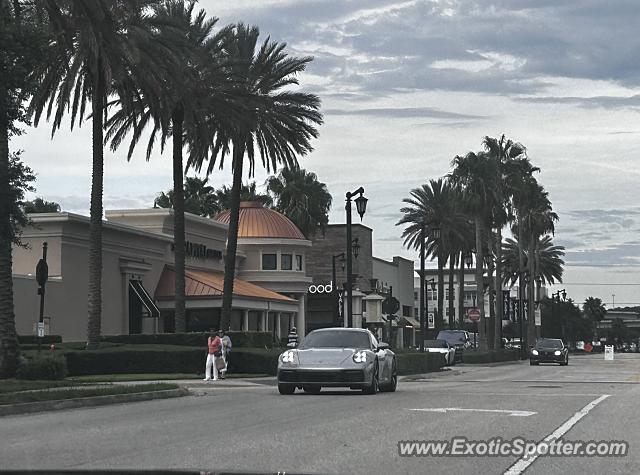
[
  {"x": 15, "y": 385},
  {"x": 105, "y": 378},
  {"x": 76, "y": 392}
]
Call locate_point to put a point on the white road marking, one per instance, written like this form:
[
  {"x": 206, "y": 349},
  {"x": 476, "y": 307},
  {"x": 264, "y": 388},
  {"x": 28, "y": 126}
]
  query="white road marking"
[
  {"x": 524, "y": 462},
  {"x": 514, "y": 413}
]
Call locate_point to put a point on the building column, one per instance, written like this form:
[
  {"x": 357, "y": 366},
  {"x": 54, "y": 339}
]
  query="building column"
[
  {"x": 245, "y": 320},
  {"x": 264, "y": 315},
  {"x": 300, "y": 317},
  {"x": 277, "y": 325}
]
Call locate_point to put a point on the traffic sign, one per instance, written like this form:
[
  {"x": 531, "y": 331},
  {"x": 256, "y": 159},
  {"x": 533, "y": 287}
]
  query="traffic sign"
[
  {"x": 473, "y": 314},
  {"x": 40, "y": 329},
  {"x": 390, "y": 305}
]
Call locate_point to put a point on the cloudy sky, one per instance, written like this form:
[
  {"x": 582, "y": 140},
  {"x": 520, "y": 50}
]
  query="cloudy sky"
[{"x": 407, "y": 85}]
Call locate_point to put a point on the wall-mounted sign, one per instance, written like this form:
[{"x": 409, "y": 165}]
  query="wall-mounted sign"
[
  {"x": 199, "y": 251},
  {"x": 321, "y": 288}
]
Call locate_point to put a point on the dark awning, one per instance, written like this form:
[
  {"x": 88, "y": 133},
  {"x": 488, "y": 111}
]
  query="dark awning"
[{"x": 145, "y": 298}]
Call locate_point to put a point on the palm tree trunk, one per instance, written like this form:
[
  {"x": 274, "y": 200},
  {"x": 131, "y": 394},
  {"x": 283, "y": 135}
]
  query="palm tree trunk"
[
  {"x": 451, "y": 293},
  {"x": 521, "y": 273},
  {"x": 232, "y": 237},
  {"x": 8, "y": 339},
  {"x": 178, "y": 221},
  {"x": 498, "y": 289},
  {"x": 482, "y": 337},
  {"x": 492, "y": 315},
  {"x": 531, "y": 327},
  {"x": 95, "y": 220},
  {"x": 461, "y": 291},
  {"x": 439, "y": 320}
]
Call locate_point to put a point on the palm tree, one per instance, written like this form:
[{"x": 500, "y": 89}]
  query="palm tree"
[
  {"x": 432, "y": 206},
  {"x": 199, "y": 198},
  {"x": 594, "y": 310},
  {"x": 277, "y": 124},
  {"x": 502, "y": 151},
  {"x": 548, "y": 262},
  {"x": 248, "y": 192},
  {"x": 38, "y": 205},
  {"x": 94, "y": 50},
  {"x": 302, "y": 198},
  {"x": 475, "y": 173},
  {"x": 176, "y": 112}
]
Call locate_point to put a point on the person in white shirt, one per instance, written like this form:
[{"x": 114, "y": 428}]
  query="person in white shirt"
[{"x": 226, "y": 349}]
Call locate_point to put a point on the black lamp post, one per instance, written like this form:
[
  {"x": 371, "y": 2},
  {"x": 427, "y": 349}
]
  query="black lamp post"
[
  {"x": 334, "y": 287},
  {"x": 361, "y": 207},
  {"x": 555, "y": 297}
]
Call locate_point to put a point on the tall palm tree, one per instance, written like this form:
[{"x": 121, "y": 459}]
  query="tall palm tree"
[
  {"x": 277, "y": 124},
  {"x": 248, "y": 192},
  {"x": 431, "y": 206},
  {"x": 301, "y": 198},
  {"x": 199, "y": 198},
  {"x": 548, "y": 262},
  {"x": 475, "y": 173},
  {"x": 501, "y": 150},
  {"x": 95, "y": 49},
  {"x": 188, "y": 38}
]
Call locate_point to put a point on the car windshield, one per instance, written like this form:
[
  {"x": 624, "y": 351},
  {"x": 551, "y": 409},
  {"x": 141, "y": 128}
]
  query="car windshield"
[
  {"x": 458, "y": 337},
  {"x": 549, "y": 344},
  {"x": 336, "y": 339},
  {"x": 435, "y": 344}
]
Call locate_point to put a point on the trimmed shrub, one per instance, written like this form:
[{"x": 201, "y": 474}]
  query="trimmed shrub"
[
  {"x": 417, "y": 363},
  {"x": 33, "y": 340},
  {"x": 473, "y": 357},
  {"x": 238, "y": 339},
  {"x": 44, "y": 367},
  {"x": 175, "y": 359}
]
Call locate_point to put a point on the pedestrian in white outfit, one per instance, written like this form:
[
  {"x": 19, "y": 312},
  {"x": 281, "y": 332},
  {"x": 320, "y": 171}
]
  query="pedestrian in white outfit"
[
  {"x": 214, "y": 351},
  {"x": 226, "y": 349}
]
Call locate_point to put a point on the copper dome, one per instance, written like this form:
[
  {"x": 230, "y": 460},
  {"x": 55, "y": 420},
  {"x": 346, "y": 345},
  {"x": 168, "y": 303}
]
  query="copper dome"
[{"x": 256, "y": 221}]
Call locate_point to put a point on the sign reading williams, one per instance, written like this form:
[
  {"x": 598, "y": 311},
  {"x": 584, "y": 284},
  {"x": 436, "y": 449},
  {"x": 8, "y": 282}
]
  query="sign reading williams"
[{"x": 199, "y": 251}]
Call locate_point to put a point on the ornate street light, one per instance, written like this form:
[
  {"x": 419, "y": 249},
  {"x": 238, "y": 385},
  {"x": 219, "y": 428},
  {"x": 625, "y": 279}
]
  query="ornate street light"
[
  {"x": 355, "y": 245},
  {"x": 361, "y": 207}
]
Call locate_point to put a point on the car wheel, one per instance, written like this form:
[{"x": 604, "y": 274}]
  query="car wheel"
[
  {"x": 373, "y": 387},
  {"x": 453, "y": 360},
  {"x": 391, "y": 387},
  {"x": 311, "y": 389},
  {"x": 286, "y": 388},
  {"x": 533, "y": 363},
  {"x": 565, "y": 362}
]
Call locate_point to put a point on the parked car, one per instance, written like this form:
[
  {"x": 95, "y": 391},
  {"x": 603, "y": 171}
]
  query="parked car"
[
  {"x": 459, "y": 339},
  {"x": 338, "y": 357},
  {"x": 447, "y": 351},
  {"x": 549, "y": 350}
]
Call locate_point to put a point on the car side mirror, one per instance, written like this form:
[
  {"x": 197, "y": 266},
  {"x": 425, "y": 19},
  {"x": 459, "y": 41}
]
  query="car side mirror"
[
  {"x": 292, "y": 345},
  {"x": 383, "y": 346}
]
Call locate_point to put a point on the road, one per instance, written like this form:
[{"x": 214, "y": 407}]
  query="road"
[{"x": 252, "y": 428}]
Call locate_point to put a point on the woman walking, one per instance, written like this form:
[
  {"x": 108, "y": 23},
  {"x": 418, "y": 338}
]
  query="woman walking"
[
  {"x": 226, "y": 349},
  {"x": 214, "y": 344}
]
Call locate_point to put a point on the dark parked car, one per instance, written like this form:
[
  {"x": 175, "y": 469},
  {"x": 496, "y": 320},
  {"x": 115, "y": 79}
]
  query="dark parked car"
[
  {"x": 458, "y": 339},
  {"x": 549, "y": 350}
]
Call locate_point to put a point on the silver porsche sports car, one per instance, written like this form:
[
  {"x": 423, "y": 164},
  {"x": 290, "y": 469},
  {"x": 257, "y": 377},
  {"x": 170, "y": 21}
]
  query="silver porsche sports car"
[{"x": 338, "y": 357}]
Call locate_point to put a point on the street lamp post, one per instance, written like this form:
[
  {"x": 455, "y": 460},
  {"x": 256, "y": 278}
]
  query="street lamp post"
[
  {"x": 334, "y": 288},
  {"x": 555, "y": 297},
  {"x": 422, "y": 283},
  {"x": 435, "y": 234},
  {"x": 361, "y": 207}
]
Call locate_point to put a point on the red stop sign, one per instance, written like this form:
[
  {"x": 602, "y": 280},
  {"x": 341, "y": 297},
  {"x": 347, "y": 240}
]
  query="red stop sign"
[{"x": 473, "y": 314}]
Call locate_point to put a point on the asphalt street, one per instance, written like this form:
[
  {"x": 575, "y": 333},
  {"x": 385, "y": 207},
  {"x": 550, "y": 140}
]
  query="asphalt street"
[{"x": 250, "y": 427}]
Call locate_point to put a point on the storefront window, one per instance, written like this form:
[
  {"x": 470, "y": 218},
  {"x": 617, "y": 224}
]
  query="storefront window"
[
  {"x": 286, "y": 262},
  {"x": 298, "y": 262},
  {"x": 269, "y": 261}
]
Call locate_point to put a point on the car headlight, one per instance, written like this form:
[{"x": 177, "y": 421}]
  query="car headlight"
[
  {"x": 360, "y": 357},
  {"x": 557, "y": 352},
  {"x": 289, "y": 357},
  {"x": 534, "y": 352}
]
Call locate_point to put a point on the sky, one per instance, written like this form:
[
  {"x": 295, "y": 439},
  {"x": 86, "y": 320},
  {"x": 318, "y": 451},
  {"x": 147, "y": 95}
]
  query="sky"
[{"x": 408, "y": 85}]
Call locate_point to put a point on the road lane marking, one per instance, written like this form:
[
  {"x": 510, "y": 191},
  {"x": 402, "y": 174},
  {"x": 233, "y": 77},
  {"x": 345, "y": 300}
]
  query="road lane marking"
[
  {"x": 524, "y": 462},
  {"x": 444, "y": 410}
]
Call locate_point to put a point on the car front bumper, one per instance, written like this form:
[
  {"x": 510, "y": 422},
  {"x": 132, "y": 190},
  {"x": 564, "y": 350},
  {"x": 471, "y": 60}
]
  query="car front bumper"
[
  {"x": 328, "y": 377},
  {"x": 547, "y": 358}
]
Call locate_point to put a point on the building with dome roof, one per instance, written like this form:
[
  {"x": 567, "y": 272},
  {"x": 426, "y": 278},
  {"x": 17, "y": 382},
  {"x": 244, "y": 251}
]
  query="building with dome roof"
[{"x": 138, "y": 275}]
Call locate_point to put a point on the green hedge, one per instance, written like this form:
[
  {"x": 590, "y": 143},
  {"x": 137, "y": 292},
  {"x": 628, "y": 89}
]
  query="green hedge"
[
  {"x": 33, "y": 340},
  {"x": 238, "y": 339},
  {"x": 44, "y": 367},
  {"x": 171, "y": 360},
  {"x": 473, "y": 357},
  {"x": 417, "y": 363}
]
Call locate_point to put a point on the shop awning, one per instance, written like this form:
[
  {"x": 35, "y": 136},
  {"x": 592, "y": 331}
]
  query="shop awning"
[
  {"x": 410, "y": 321},
  {"x": 210, "y": 284},
  {"x": 145, "y": 298}
]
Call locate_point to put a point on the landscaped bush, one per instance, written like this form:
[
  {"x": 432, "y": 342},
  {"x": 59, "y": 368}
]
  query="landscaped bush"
[
  {"x": 417, "y": 363},
  {"x": 44, "y": 367},
  {"x": 129, "y": 359},
  {"x": 473, "y": 357},
  {"x": 33, "y": 340},
  {"x": 238, "y": 339}
]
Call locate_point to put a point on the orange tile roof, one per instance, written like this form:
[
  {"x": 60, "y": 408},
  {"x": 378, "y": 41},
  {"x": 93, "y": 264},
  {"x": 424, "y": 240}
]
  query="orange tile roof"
[
  {"x": 210, "y": 284},
  {"x": 256, "y": 221}
]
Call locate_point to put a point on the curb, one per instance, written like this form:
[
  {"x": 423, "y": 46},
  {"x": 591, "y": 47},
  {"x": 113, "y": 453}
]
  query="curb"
[{"x": 41, "y": 406}]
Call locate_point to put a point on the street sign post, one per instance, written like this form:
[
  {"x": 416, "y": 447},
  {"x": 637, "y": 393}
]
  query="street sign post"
[
  {"x": 608, "y": 352},
  {"x": 390, "y": 305},
  {"x": 473, "y": 314}
]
